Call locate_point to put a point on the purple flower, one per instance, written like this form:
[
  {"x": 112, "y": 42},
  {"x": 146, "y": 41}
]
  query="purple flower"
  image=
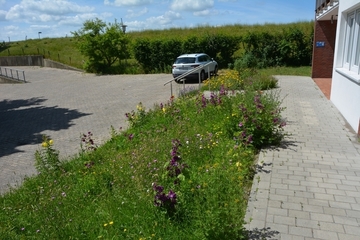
[
  {"x": 172, "y": 196},
  {"x": 131, "y": 136},
  {"x": 240, "y": 124},
  {"x": 158, "y": 188},
  {"x": 250, "y": 139}
]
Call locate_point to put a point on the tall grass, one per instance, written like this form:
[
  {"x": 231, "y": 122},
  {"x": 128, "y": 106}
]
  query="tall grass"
[{"x": 182, "y": 170}]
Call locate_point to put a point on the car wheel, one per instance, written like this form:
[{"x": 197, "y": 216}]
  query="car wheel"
[{"x": 202, "y": 75}]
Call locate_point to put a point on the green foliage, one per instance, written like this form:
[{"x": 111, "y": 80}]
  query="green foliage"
[
  {"x": 102, "y": 44},
  {"x": 156, "y": 55},
  {"x": 47, "y": 159},
  {"x": 291, "y": 47},
  {"x": 186, "y": 146},
  {"x": 234, "y": 80},
  {"x": 3, "y": 46}
]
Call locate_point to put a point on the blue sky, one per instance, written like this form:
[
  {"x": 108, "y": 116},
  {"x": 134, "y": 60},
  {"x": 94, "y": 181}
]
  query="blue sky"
[{"x": 24, "y": 19}]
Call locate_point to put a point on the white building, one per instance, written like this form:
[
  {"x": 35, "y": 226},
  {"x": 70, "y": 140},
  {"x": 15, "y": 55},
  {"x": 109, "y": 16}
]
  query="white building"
[{"x": 345, "y": 88}]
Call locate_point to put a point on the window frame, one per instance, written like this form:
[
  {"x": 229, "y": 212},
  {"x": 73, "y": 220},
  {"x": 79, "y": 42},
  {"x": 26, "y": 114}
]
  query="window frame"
[{"x": 351, "y": 60}]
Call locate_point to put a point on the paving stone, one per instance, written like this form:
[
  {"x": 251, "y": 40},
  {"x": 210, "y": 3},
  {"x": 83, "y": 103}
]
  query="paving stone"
[
  {"x": 353, "y": 230},
  {"x": 326, "y": 235},
  {"x": 346, "y": 220},
  {"x": 335, "y": 211},
  {"x": 321, "y": 217},
  {"x": 347, "y": 236},
  {"x": 307, "y": 223},
  {"x": 300, "y": 231},
  {"x": 291, "y": 237},
  {"x": 334, "y": 227}
]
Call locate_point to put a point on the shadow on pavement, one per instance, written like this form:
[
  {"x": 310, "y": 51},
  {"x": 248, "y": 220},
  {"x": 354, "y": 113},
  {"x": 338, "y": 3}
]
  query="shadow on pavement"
[
  {"x": 264, "y": 233},
  {"x": 23, "y": 120}
]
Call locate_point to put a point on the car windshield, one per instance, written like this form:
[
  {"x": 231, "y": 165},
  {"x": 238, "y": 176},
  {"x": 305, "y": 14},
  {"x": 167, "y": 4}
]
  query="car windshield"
[{"x": 185, "y": 60}]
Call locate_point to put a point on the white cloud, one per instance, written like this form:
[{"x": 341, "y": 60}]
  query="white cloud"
[
  {"x": 11, "y": 28},
  {"x": 159, "y": 22},
  {"x": 77, "y": 20},
  {"x": 134, "y": 14},
  {"x": 40, "y": 27},
  {"x": 120, "y": 3},
  {"x": 2, "y": 15},
  {"x": 44, "y": 10},
  {"x": 202, "y": 13},
  {"x": 192, "y": 5},
  {"x": 165, "y": 19}
]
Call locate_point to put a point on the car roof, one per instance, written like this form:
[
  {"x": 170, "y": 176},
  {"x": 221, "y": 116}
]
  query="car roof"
[{"x": 191, "y": 55}]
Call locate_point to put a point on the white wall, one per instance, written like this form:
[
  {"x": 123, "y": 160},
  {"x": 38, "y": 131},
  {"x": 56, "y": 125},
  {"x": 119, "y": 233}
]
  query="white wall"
[{"x": 345, "y": 91}]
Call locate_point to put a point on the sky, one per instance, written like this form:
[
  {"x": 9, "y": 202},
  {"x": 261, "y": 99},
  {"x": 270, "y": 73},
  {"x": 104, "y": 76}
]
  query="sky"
[{"x": 30, "y": 19}]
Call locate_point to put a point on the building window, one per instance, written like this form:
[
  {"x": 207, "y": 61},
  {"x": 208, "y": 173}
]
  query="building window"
[{"x": 352, "y": 42}]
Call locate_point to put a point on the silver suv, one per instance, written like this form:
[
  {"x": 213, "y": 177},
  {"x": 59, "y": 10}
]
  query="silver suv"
[{"x": 187, "y": 62}]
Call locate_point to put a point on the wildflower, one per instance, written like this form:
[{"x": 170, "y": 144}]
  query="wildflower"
[
  {"x": 44, "y": 144},
  {"x": 164, "y": 110},
  {"x": 131, "y": 136},
  {"x": 238, "y": 164},
  {"x": 51, "y": 142},
  {"x": 139, "y": 107},
  {"x": 111, "y": 223},
  {"x": 63, "y": 194},
  {"x": 37, "y": 230},
  {"x": 105, "y": 224},
  {"x": 22, "y": 229},
  {"x": 241, "y": 124},
  {"x": 125, "y": 230}
]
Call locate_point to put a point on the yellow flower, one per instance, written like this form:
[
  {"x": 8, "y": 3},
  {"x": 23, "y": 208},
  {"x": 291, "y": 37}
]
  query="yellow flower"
[
  {"x": 164, "y": 110},
  {"x": 44, "y": 144},
  {"x": 105, "y": 224},
  {"x": 111, "y": 223},
  {"x": 238, "y": 164},
  {"x": 51, "y": 142}
]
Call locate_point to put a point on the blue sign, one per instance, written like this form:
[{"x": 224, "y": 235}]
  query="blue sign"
[{"x": 320, "y": 44}]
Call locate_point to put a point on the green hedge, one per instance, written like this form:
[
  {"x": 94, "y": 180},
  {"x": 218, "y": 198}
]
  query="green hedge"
[
  {"x": 158, "y": 55},
  {"x": 291, "y": 47},
  {"x": 288, "y": 47}
]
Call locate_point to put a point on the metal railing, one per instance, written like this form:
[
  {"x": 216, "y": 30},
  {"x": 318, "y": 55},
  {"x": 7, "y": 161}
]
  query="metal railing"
[
  {"x": 14, "y": 74},
  {"x": 181, "y": 78},
  {"x": 323, "y": 5}
]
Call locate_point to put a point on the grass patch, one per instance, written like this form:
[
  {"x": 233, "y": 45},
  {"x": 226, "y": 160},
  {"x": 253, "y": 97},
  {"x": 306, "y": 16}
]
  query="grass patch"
[
  {"x": 182, "y": 170},
  {"x": 294, "y": 71}
]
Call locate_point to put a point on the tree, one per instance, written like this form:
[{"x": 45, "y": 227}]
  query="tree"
[{"x": 103, "y": 44}]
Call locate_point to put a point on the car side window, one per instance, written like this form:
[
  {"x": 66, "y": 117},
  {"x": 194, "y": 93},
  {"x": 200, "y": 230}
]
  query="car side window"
[{"x": 202, "y": 59}]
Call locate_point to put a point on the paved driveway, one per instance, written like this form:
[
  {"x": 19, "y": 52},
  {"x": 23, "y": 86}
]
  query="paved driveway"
[{"x": 63, "y": 104}]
